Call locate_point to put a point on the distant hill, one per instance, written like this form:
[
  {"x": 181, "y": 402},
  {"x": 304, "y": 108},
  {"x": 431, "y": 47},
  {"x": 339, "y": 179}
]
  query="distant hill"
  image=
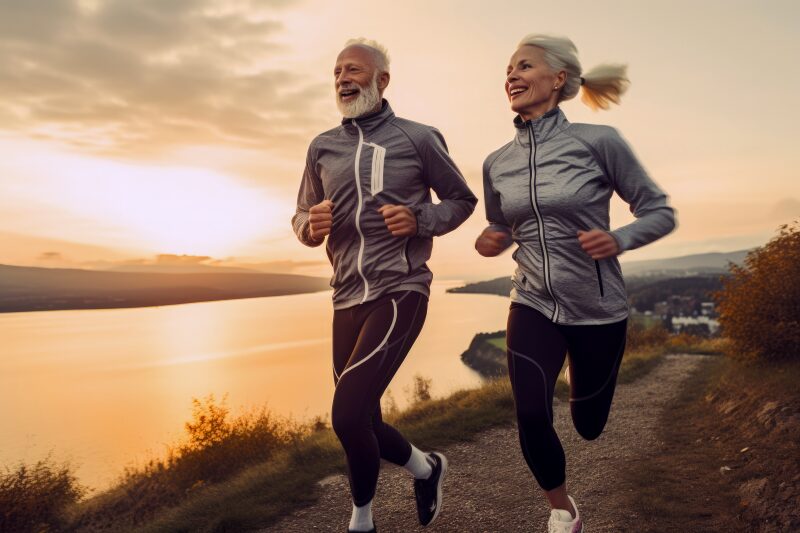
[
  {"x": 40, "y": 289},
  {"x": 687, "y": 265}
]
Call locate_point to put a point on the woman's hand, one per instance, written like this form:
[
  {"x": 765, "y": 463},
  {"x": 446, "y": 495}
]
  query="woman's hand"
[
  {"x": 598, "y": 244},
  {"x": 491, "y": 243}
]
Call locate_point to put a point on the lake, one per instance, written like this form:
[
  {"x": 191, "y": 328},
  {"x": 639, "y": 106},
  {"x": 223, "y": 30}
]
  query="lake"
[{"x": 109, "y": 388}]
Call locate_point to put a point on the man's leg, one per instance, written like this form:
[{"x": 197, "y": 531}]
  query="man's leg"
[{"x": 386, "y": 330}]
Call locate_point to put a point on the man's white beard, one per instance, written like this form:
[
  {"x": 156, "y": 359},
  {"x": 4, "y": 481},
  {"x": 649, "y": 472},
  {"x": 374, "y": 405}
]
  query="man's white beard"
[{"x": 367, "y": 100}]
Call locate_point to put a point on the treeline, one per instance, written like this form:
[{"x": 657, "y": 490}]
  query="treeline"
[{"x": 644, "y": 293}]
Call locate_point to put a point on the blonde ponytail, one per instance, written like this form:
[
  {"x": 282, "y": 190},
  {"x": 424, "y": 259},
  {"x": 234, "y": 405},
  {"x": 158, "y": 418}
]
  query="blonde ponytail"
[
  {"x": 601, "y": 85},
  {"x": 604, "y": 84}
]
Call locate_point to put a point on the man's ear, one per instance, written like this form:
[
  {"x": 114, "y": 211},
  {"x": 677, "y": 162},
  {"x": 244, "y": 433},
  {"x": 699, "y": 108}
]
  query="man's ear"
[{"x": 383, "y": 81}]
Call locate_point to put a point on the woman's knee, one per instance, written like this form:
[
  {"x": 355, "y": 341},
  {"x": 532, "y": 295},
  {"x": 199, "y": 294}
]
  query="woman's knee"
[
  {"x": 589, "y": 425},
  {"x": 533, "y": 418}
]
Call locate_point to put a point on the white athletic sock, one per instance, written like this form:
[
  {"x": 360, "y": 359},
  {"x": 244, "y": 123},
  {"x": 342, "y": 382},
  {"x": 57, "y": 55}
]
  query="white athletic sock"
[
  {"x": 361, "y": 519},
  {"x": 419, "y": 464}
]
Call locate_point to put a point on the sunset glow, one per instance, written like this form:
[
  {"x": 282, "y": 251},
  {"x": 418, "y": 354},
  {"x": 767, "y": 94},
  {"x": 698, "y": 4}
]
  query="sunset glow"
[
  {"x": 159, "y": 209},
  {"x": 136, "y": 129}
]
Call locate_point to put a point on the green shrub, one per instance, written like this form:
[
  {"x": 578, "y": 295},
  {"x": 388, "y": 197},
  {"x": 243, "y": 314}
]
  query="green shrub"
[{"x": 759, "y": 304}]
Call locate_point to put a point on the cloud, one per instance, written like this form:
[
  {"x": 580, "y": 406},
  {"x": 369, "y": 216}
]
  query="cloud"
[
  {"x": 122, "y": 78},
  {"x": 286, "y": 266},
  {"x": 172, "y": 259},
  {"x": 50, "y": 256}
]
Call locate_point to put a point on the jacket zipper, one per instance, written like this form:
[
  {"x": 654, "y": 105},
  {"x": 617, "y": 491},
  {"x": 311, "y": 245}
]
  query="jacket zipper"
[
  {"x": 360, "y": 262},
  {"x": 539, "y": 220},
  {"x": 599, "y": 277}
]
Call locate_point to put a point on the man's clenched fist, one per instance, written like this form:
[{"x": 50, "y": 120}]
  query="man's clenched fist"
[
  {"x": 320, "y": 220},
  {"x": 400, "y": 220}
]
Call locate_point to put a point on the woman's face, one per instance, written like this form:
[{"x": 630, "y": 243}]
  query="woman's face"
[{"x": 530, "y": 83}]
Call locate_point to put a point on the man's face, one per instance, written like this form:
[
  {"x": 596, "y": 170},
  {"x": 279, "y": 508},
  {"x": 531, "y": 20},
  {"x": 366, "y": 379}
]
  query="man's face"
[{"x": 359, "y": 86}]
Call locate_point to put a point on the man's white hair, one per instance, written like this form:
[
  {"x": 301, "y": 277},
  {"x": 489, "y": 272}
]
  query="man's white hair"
[
  {"x": 601, "y": 85},
  {"x": 379, "y": 52}
]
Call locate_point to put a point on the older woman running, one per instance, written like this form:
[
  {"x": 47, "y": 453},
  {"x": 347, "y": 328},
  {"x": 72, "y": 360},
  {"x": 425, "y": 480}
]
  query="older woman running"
[{"x": 548, "y": 191}]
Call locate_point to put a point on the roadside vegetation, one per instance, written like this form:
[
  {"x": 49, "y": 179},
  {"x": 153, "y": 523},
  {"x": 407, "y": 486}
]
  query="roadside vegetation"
[{"x": 730, "y": 443}]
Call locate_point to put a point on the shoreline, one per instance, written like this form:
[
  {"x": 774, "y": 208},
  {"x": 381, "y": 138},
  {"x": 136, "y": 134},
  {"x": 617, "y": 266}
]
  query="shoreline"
[{"x": 136, "y": 305}]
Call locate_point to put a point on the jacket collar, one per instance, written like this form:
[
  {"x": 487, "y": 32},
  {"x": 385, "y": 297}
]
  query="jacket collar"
[
  {"x": 543, "y": 128},
  {"x": 371, "y": 121}
]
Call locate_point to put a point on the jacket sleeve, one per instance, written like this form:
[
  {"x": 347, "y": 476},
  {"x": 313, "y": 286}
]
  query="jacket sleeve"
[
  {"x": 310, "y": 194},
  {"x": 648, "y": 203},
  {"x": 491, "y": 199},
  {"x": 441, "y": 174}
]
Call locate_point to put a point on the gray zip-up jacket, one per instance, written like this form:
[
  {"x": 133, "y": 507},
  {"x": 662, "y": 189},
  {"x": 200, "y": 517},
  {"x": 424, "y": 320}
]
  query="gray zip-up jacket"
[
  {"x": 554, "y": 179},
  {"x": 361, "y": 165}
]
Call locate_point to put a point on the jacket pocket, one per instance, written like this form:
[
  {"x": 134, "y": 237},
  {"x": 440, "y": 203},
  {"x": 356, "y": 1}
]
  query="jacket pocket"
[
  {"x": 376, "y": 181},
  {"x": 599, "y": 278}
]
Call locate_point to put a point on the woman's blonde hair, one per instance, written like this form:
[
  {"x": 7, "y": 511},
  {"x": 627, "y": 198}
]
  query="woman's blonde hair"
[{"x": 601, "y": 85}]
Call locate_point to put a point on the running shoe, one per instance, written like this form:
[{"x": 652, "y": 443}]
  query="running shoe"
[
  {"x": 561, "y": 521},
  {"x": 429, "y": 491}
]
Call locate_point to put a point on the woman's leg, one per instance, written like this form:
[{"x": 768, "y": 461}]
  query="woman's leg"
[
  {"x": 595, "y": 355},
  {"x": 536, "y": 352}
]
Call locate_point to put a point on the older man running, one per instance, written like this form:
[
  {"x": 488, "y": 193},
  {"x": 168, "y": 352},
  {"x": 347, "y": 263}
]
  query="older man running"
[{"x": 366, "y": 186}]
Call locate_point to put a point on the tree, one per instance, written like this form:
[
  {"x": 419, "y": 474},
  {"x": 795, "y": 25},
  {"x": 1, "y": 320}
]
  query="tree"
[{"x": 759, "y": 304}]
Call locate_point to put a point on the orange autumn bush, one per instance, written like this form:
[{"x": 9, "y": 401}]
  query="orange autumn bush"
[{"x": 759, "y": 304}]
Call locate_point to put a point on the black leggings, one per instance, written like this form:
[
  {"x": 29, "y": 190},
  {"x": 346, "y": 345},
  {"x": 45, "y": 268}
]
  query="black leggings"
[
  {"x": 370, "y": 342},
  {"x": 536, "y": 351}
]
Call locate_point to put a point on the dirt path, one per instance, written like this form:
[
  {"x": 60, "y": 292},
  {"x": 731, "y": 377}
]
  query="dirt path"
[{"x": 489, "y": 487}]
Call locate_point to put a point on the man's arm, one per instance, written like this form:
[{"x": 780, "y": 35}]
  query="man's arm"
[
  {"x": 309, "y": 195},
  {"x": 441, "y": 174}
]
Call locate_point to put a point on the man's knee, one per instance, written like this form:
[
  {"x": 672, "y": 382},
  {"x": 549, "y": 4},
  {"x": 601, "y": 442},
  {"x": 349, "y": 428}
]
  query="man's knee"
[{"x": 345, "y": 422}]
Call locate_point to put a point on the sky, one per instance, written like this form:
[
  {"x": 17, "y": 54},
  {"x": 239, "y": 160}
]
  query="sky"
[{"x": 137, "y": 130}]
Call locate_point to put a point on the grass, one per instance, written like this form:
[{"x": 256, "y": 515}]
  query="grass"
[
  {"x": 38, "y": 497},
  {"x": 646, "y": 320},
  {"x": 499, "y": 342},
  {"x": 261, "y": 495},
  {"x": 431, "y": 423},
  {"x": 232, "y": 475}
]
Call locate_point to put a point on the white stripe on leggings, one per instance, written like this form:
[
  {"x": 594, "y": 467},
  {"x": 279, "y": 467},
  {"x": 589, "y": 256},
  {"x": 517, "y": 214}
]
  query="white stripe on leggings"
[
  {"x": 376, "y": 350},
  {"x": 544, "y": 379}
]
